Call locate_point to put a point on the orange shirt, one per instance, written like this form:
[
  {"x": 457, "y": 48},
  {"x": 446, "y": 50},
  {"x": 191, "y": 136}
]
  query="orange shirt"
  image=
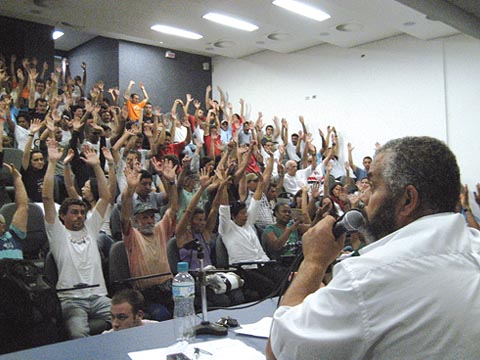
[{"x": 134, "y": 109}]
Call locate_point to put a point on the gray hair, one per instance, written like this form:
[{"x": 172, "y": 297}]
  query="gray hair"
[{"x": 427, "y": 164}]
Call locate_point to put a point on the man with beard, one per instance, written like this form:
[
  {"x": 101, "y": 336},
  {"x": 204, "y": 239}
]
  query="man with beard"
[
  {"x": 411, "y": 294},
  {"x": 146, "y": 243}
]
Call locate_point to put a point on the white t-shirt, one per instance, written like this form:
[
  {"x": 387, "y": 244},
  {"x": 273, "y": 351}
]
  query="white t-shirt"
[
  {"x": 241, "y": 241},
  {"x": 77, "y": 257}
]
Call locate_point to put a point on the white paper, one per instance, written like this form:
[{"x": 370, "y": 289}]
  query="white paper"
[
  {"x": 259, "y": 329},
  {"x": 220, "y": 349}
]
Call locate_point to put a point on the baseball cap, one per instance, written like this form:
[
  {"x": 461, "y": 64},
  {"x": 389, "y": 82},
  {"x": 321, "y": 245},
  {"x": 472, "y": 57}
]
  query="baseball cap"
[
  {"x": 252, "y": 177},
  {"x": 140, "y": 208},
  {"x": 2, "y": 219}
]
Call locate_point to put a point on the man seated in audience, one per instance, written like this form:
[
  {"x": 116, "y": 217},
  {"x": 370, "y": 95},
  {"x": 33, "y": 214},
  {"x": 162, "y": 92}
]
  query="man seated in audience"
[
  {"x": 400, "y": 298},
  {"x": 127, "y": 310},
  {"x": 72, "y": 239},
  {"x": 146, "y": 243}
]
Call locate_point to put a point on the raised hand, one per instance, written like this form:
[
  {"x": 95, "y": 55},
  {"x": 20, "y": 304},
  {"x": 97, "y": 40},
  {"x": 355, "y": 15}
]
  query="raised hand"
[
  {"x": 197, "y": 104},
  {"x": 69, "y": 157},
  {"x": 189, "y": 97},
  {"x": 284, "y": 123},
  {"x": 169, "y": 170},
  {"x": 464, "y": 200},
  {"x": 315, "y": 189},
  {"x": 35, "y": 125},
  {"x": 13, "y": 171},
  {"x": 133, "y": 177},
  {"x": 90, "y": 157},
  {"x": 186, "y": 161},
  {"x": 205, "y": 179},
  {"x": 157, "y": 165},
  {"x": 477, "y": 194},
  {"x": 107, "y": 154},
  {"x": 54, "y": 153}
]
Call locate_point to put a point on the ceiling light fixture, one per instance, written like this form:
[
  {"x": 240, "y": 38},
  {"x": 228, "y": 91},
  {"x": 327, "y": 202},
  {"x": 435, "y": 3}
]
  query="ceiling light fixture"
[
  {"x": 57, "y": 34},
  {"x": 230, "y": 21},
  {"x": 302, "y": 9},
  {"x": 177, "y": 32}
]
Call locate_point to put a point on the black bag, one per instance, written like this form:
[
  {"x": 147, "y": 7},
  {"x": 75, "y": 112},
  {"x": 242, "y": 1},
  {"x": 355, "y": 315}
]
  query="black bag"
[{"x": 30, "y": 311}]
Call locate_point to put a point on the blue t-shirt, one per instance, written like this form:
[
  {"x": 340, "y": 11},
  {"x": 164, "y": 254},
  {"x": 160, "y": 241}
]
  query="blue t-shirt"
[{"x": 9, "y": 246}]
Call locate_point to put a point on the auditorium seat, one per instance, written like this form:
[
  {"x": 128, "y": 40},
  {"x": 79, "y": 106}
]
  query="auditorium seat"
[{"x": 97, "y": 326}]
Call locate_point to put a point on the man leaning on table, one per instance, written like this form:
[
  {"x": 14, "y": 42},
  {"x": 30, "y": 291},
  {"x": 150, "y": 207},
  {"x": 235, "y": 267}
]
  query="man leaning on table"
[{"x": 414, "y": 293}]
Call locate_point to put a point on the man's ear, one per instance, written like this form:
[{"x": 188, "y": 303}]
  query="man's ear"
[
  {"x": 140, "y": 314},
  {"x": 409, "y": 203}
]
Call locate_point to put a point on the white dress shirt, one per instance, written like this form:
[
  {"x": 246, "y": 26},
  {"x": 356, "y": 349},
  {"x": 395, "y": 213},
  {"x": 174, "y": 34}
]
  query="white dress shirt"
[{"x": 415, "y": 294}]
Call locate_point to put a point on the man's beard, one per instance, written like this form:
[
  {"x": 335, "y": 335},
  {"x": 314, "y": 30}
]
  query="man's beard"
[
  {"x": 382, "y": 222},
  {"x": 146, "y": 229}
]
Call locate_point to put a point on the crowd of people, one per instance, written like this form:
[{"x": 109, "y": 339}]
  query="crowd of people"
[{"x": 111, "y": 167}]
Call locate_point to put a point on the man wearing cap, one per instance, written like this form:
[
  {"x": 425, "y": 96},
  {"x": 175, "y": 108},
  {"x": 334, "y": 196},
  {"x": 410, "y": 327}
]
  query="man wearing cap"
[
  {"x": 10, "y": 238},
  {"x": 146, "y": 239}
]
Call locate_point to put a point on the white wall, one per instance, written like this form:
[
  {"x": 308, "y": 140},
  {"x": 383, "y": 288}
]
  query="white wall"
[{"x": 375, "y": 92}]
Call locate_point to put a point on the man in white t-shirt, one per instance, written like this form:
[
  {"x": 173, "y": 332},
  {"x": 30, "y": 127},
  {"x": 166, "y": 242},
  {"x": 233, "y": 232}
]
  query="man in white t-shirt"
[{"x": 72, "y": 239}]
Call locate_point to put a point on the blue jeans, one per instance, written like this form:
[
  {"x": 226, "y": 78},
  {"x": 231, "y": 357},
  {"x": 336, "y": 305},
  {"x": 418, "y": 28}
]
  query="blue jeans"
[{"x": 77, "y": 312}]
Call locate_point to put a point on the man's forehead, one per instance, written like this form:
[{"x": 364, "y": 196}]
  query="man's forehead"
[{"x": 123, "y": 307}]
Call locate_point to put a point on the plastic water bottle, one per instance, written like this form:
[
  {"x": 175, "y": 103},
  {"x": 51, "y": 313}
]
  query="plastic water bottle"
[{"x": 183, "y": 291}]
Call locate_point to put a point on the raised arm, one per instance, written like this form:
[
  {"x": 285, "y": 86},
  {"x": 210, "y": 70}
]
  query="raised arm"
[
  {"x": 126, "y": 96},
  {"x": 350, "y": 157},
  {"x": 465, "y": 203},
  {"x": 92, "y": 159},
  {"x": 133, "y": 178},
  {"x": 54, "y": 155},
  {"x": 20, "y": 216},
  {"x": 112, "y": 176},
  {"x": 208, "y": 91},
  {"x": 182, "y": 225},
  {"x": 144, "y": 91},
  {"x": 67, "y": 174}
]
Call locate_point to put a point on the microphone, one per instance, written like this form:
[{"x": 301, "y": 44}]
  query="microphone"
[{"x": 351, "y": 221}]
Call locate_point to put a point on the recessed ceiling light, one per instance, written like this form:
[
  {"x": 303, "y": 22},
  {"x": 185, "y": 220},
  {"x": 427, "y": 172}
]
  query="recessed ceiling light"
[
  {"x": 230, "y": 21},
  {"x": 279, "y": 36},
  {"x": 325, "y": 33},
  {"x": 57, "y": 34},
  {"x": 349, "y": 27},
  {"x": 224, "y": 44},
  {"x": 409, "y": 23},
  {"x": 177, "y": 32},
  {"x": 302, "y": 9}
]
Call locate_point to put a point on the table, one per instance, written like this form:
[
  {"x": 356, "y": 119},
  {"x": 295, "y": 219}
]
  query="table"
[{"x": 117, "y": 345}]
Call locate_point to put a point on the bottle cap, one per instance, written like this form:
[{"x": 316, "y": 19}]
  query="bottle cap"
[{"x": 182, "y": 266}]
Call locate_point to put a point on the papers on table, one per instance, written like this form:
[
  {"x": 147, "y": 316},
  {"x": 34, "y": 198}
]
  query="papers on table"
[
  {"x": 259, "y": 329},
  {"x": 220, "y": 349}
]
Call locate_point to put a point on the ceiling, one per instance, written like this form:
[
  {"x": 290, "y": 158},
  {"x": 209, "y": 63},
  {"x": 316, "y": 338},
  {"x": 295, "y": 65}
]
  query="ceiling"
[{"x": 279, "y": 30}]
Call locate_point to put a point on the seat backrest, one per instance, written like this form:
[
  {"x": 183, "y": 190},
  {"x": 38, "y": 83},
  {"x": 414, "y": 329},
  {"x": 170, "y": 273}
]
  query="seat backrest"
[
  {"x": 118, "y": 268},
  {"x": 221, "y": 253},
  {"x": 173, "y": 255},
  {"x": 14, "y": 156},
  {"x": 11, "y": 156},
  {"x": 35, "y": 245}
]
